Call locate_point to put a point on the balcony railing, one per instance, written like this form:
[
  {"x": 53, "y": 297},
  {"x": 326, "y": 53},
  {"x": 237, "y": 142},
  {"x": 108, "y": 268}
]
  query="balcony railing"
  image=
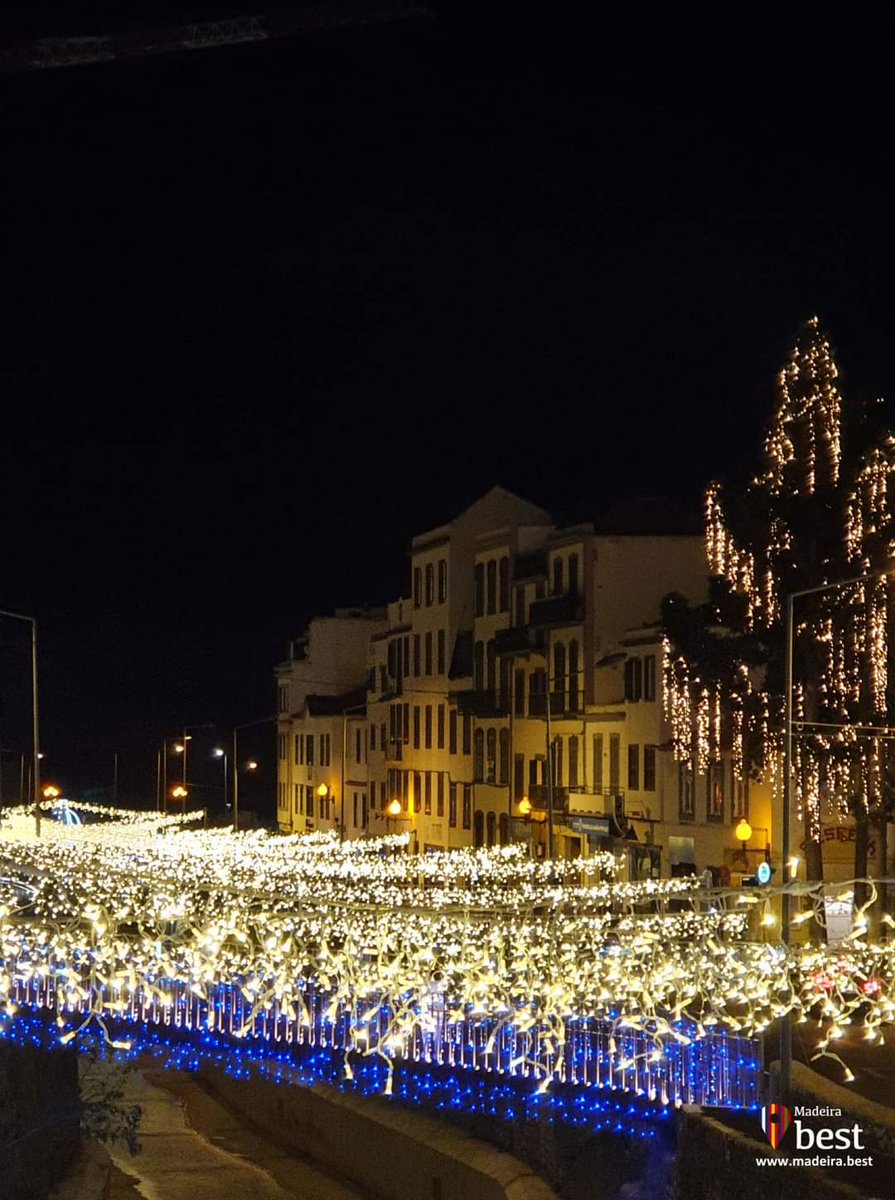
[
  {"x": 482, "y": 703},
  {"x": 537, "y": 795},
  {"x": 518, "y": 639},
  {"x": 557, "y": 610}
]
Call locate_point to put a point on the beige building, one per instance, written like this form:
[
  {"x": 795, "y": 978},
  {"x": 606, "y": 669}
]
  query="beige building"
[{"x": 439, "y": 701}]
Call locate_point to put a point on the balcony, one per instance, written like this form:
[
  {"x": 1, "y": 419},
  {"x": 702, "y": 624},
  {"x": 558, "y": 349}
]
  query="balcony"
[
  {"x": 530, "y": 566},
  {"x": 537, "y": 795},
  {"x": 537, "y": 704},
  {"x": 557, "y": 610},
  {"x": 518, "y": 639},
  {"x": 483, "y": 703}
]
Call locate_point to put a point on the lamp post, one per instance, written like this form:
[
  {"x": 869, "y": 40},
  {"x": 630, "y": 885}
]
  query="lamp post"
[
  {"x": 219, "y": 752},
  {"x": 35, "y": 735},
  {"x": 251, "y": 766},
  {"x": 180, "y": 793},
  {"x": 785, "y": 1076}
]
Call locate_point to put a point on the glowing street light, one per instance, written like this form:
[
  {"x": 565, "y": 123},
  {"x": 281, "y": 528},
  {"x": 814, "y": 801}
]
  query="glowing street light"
[{"x": 743, "y": 832}]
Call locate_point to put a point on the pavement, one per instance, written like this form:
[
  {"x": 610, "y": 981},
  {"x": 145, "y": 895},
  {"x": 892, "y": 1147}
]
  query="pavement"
[{"x": 195, "y": 1149}]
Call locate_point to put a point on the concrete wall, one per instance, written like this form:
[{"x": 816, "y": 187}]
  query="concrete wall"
[
  {"x": 39, "y": 1119},
  {"x": 388, "y": 1152}
]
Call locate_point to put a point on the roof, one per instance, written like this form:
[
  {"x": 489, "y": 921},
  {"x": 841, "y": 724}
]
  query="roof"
[{"x": 335, "y": 706}]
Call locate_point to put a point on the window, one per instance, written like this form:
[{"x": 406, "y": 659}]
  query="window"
[
  {"x": 598, "y": 763},
  {"x": 478, "y": 666},
  {"x": 365, "y": 811},
  {"x": 634, "y": 768},
  {"x": 615, "y": 757},
  {"x": 557, "y": 762},
  {"x": 478, "y": 833},
  {"x": 405, "y": 713},
  {"x": 309, "y": 747},
  {"x": 573, "y": 677},
  {"x": 479, "y": 589},
  {"x": 573, "y": 574},
  {"x": 452, "y": 806},
  {"x": 573, "y": 761},
  {"x": 518, "y": 776},
  {"x": 520, "y": 604},
  {"x": 358, "y": 748},
  {"x": 405, "y": 655},
  {"x": 503, "y": 691},
  {"x": 452, "y": 731},
  {"x": 325, "y": 759},
  {"x": 686, "y": 805},
  {"x": 441, "y": 652},
  {"x": 491, "y": 570},
  {"x": 428, "y": 726},
  {"x": 416, "y": 727},
  {"x": 559, "y": 677},
  {"x": 467, "y": 733},
  {"x": 354, "y": 795},
  {"x": 417, "y": 587},
  {"x": 491, "y": 822},
  {"x": 503, "y": 826},
  {"x": 442, "y": 580},
  {"x": 382, "y": 745},
  {"x": 536, "y": 771},
  {"x": 373, "y": 737},
  {"x": 557, "y": 576},
  {"x": 427, "y": 792},
  {"x": 283, "y": 697},
  {"x": 297, "y": 748},
  {"x": 503, "y": 766},
  {"x": 503, "y": 598},
  {"x": 478, "y": 756},
  {"x": 714, "y": 791},
  {"x": 281, "y": 746},
  {"x": 439, "y": 794},
  {"x": 491, "y": 756},
  {"x": 649, "y": 677},
  {"x": 633, "y": 678},
  {"x": 649, "y": 768},
  {"x": 490, "y": 665},
  {"x": 417, "y": 792},
  {"x": 296, "y": 796},
  {"x": 439, "y": 741},
  {"x": 519, "y": 692},
  {"x": 467, "y": 805},
  {"x": 740, "y": 798},
  {"x": 430, "y": 584},
  {"x": 428, "y": 670}
]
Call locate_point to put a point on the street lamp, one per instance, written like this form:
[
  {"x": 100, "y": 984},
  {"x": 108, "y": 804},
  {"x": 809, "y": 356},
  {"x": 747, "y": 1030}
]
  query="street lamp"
[
  {"x": 322, "y": 793},
  {"x": 219, "y": 752},
  {"x": 180, "y": 793},
  {"x": 251, "y": 765},
  {"x": 34, "y": 710}
]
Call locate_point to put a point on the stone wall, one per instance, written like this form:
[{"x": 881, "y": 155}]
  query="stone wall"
[{"x": 39, "y": 1119}]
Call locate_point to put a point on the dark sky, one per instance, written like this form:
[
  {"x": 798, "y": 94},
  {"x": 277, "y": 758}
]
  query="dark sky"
[{"x": 271, "y": 310}]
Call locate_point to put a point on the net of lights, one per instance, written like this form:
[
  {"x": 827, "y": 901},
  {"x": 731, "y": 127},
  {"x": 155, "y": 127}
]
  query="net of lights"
[
  {"x": 255, "y": 936},
  {"x": 845, "y": 633}
]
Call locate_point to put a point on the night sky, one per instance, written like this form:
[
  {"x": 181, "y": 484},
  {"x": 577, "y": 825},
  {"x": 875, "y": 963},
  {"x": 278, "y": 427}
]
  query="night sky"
[{"x": 271, "y": 310}]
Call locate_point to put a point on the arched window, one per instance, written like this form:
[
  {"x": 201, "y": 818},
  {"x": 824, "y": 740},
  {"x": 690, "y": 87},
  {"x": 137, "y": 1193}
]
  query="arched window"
[
  {"x": 478, "y": 829},
  {"x": 478, "y": 666},
  {"x": 557, "y": 576},
  {"x": 478, "y": 755},
  {"x": 491, "y": 601},
  {"x": 491, "y": 763},
  {"x": 503, "y": 765},
  {"x": 479, "y": 589},
  {"x": 558, "y": 685},
  {"x": 504, "y": 827},
  {"x": 503, "y": 601},
  {"x": 573, "y": 677},
  {"x": 573, "y": 761},
  {"x": 492, "y": 830},
  {"x": 573, "y": 574},
  {"x": 490, "y": 665}
]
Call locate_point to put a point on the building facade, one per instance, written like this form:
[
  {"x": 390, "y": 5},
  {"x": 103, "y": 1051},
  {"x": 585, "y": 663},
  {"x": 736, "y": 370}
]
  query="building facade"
[{"x": 518, "y": 644}]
